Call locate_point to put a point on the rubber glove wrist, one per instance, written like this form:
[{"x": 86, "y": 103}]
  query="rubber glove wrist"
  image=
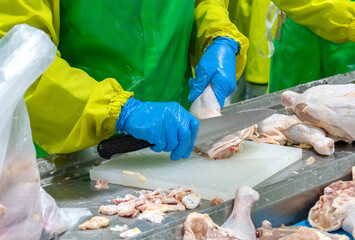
[
  {"x": 216, "y": 66},
  {"x": 234, "y": 45},
  {"x": 129, "y": 106}
]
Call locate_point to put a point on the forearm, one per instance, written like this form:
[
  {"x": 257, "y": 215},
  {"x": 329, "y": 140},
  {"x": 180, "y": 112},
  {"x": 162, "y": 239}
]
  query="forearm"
[
  {"x": 70, "y": 111},
  {"x": 42, "y": 14},
  {"x": 211, "y": 21}
]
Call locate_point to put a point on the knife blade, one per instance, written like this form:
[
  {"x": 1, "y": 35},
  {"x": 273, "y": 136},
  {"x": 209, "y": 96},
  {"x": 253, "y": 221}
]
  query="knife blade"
[
  {"x": 210, "y": 129},
  {"x": 213, "y": 128}
]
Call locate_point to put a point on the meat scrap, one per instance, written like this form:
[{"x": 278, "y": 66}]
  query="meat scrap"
[
  {"x": 102, "y": 184},
  {"x": 141, "y": 178},
  {"x": 238, "y": 226},
  {"x": 267, "y": 232},
  {"x": 227, "y": 146},
  {"x": 108, "y": 209},
  {"x": 126, "y": 198},
  {"x": 215, "y": 201},
  {"x": 127, "y": 209},
  {"x": 118, "y": 228},
  {"x": 153, "y": 215},
  {"x": 153, "y": 205},
  {"x": 336, "y": 208},
  {"x": 125, "y": 232},
  {"x": 311, "y": 160},
  {"x": 130, "y": 233},
  {"x": 94, "y": 223},
  {"x": 191, "y": 201},
  {"x": 201, "y": 226}
]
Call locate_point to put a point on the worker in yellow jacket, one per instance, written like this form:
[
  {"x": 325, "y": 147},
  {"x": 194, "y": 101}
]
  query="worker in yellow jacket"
[
  {"x": 316, "y": 40},
  {"x": 110, "y": 49},
  {"x": 249, "y": 17}
]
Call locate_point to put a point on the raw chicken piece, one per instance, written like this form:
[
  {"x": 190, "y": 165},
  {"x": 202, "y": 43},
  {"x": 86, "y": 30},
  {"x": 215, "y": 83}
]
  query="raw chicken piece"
[
  {"x": 166, "y": 207},
  {"x": 200, "y": 226},
  {"x": 191, "y": 201},
  {"x": 102, "y": 184},
  {"x": 166, "y": 200},
  {"x": 215, "y": 201},
  {"x": 178, "y": 193},
  {"x": 304, "y": 233},
  {"x": 126, "y": 198},
  {"x": 336, "y": 208},
  {"x": 280, "y": 129},
  {"x": 154, "y": 216},
  {"x": 127, "y": 209},
  {"x": 206, "y": 105},
  {"x": 239, "y": 223},
  {"x": 238, "y": 226},
  {"x": 141, "y": 178},
  {"x": 311, "y": 160},
  {"x": 19, "y": 185},
  {"x": 153, "y": 204},
  {"x": 2, "y": 210},
  {"x": 119, "y": 228},
  {"x": 349, "y": 222},
  {"x": 130, "y": 233},
  {"x": 227, "y": 146},
  {"x": 94, "y": 223},
  {"x": 108, "y": 209},
  {"x": 155, "y": 212},
  {"x": 266, "y": 232},
  {"x": 331, "y": 107}
]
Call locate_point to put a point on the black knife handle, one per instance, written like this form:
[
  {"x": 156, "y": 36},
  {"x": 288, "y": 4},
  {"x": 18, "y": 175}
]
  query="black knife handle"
[{"x": 120, "y": 144}]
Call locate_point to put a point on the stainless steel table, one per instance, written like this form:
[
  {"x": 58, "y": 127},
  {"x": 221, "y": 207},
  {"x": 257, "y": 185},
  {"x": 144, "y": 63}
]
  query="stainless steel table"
[{"x": 285, "y": 197}]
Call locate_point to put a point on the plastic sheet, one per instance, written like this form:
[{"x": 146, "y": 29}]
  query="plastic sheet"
[
  {"x": 206, "y": 105},
  {"x": 26, "y": 210}
]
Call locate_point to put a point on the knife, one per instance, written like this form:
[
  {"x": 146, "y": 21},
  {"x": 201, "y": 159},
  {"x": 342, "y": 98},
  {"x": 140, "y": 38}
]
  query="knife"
[{"x": 210, "y": 129}]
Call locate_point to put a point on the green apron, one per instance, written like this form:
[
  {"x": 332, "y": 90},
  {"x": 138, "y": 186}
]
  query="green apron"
[
  {"x": 142, "y": 44},
  {"x": 301, "y": 56}
]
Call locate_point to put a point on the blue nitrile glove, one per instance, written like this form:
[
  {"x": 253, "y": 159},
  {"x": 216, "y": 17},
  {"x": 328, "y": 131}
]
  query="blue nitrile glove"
[
  {"x": 216, "y": 66},
  {"x": 166, "y": 125}
]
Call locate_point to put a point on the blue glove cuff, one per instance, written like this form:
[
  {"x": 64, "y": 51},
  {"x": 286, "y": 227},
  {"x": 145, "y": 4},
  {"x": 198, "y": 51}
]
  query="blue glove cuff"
[
  {"x": 126, "y": 109},
  {"x": 227, "y": 41}
]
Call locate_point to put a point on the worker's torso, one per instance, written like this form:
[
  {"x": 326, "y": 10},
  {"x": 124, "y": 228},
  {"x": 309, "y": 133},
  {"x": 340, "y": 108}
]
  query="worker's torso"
[
  {"x": 143, "y": 44},
  {"x": 305, "y": 57}
]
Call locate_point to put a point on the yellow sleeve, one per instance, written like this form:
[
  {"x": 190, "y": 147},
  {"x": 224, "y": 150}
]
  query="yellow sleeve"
[
  {"x": 211, "y": 19},
  {"x": 333, "y": 20},
  {"x": 68, "y": 109}
]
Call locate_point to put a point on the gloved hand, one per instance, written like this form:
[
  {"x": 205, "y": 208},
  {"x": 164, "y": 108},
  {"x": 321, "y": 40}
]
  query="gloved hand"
[
  {"x": 217, "y": 65},
  {"x": 166, "y": 125}
]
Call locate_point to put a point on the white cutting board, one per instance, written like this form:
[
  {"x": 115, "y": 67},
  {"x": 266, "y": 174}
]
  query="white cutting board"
[{"x": 210, "y": 178}]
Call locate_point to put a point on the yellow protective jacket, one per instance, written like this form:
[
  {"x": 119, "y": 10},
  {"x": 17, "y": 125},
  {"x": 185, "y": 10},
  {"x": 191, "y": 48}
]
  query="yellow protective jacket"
[
  {"x": 333, "y": 20},
  {"x": 68, "y": 109},
  {"x": 212, "y": 20},
  {"x": 249, "y": 17}
]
